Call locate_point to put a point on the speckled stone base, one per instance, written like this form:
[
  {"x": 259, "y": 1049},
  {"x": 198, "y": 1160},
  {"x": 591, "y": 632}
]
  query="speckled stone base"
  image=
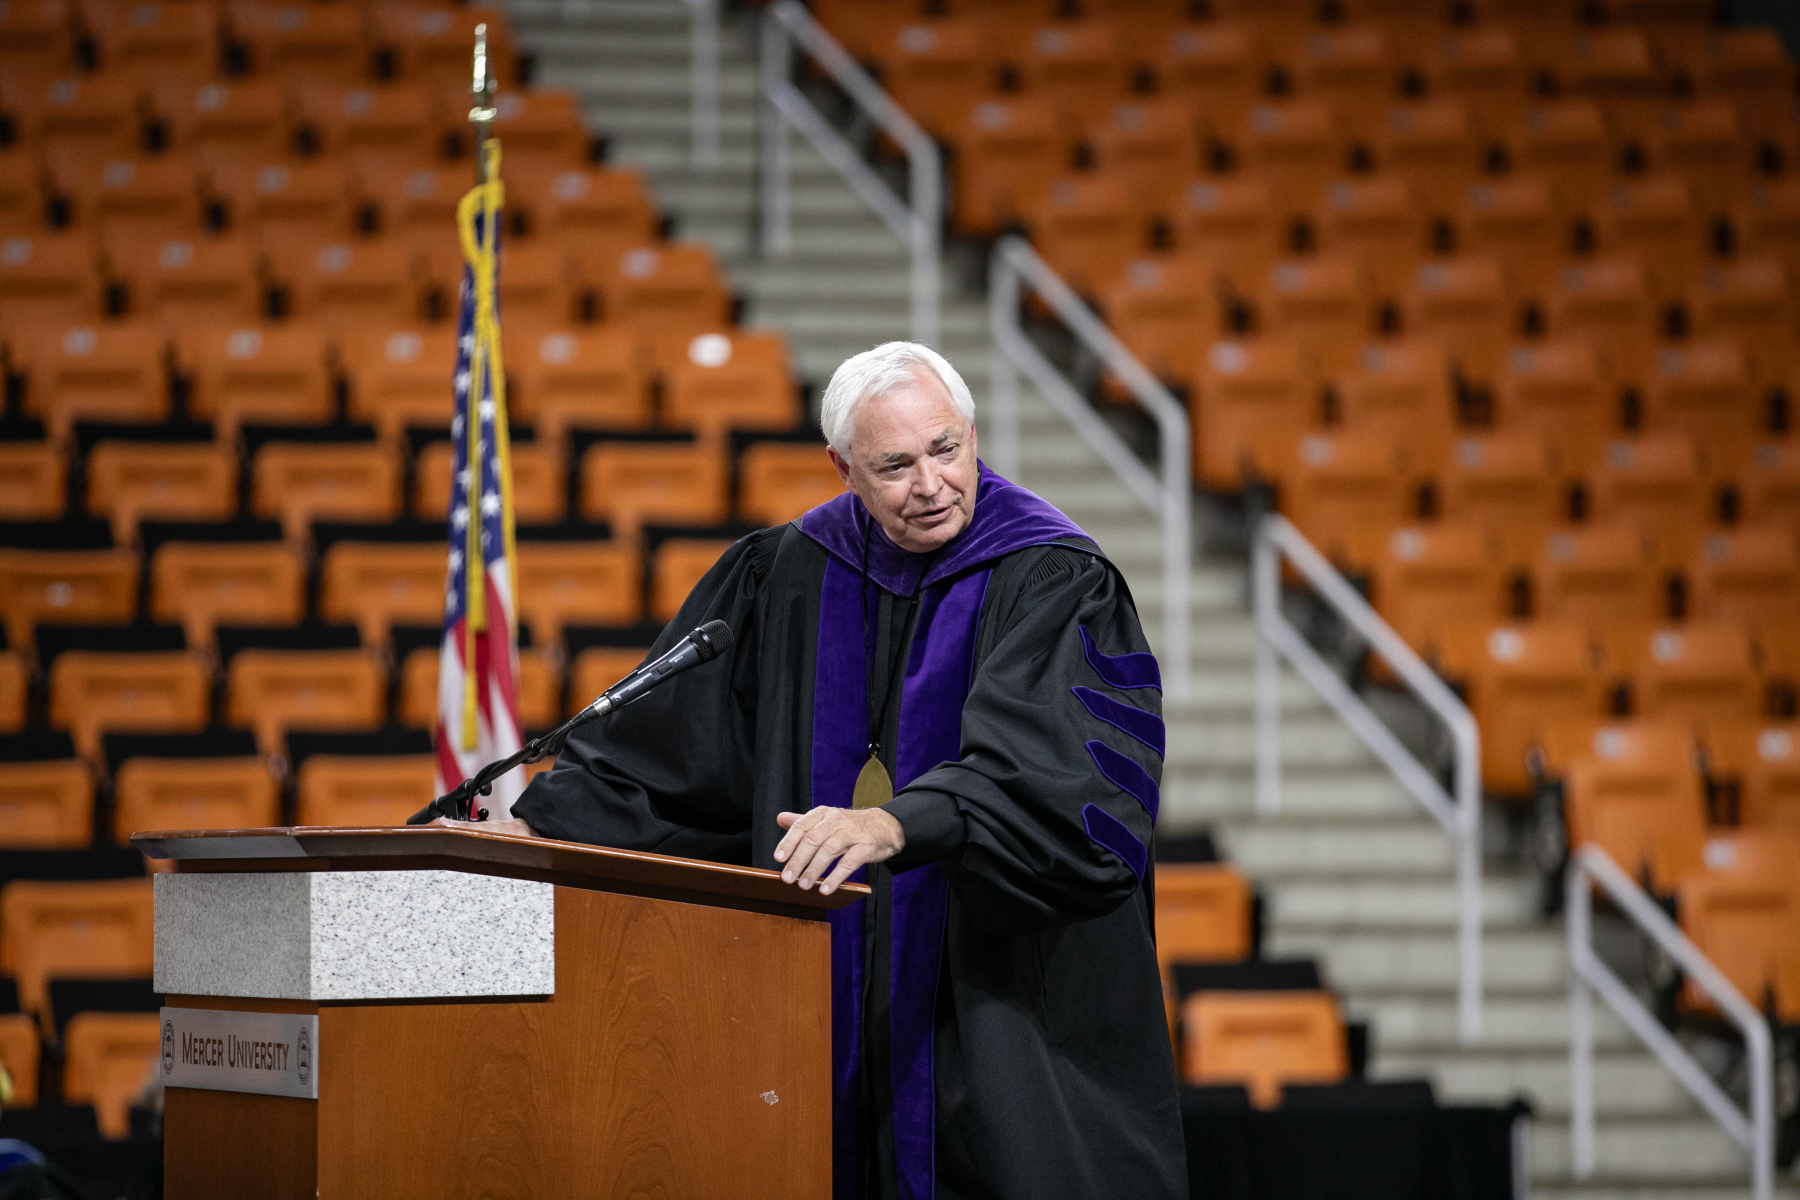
[{"x": 354, "y": 935}]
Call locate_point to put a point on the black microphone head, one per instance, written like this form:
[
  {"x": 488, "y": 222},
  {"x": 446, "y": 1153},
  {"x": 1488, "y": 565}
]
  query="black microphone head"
[{"x": 712, "y": 639}]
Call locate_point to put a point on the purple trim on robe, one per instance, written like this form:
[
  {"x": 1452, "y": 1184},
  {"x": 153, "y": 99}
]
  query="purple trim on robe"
[
  {"x": 1110, "y": 832},
  {"x": 1007, "y": 518},
  {"x": 1135, "y": 722},
  {"x": 1127, "y": 776},
  {"x": 1123, "y": 671},
  {"x": 840, "y": 740}
]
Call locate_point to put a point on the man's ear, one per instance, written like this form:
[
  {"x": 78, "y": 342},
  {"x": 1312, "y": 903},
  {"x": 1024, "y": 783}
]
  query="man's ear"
[{"x": 843, "y": 468}]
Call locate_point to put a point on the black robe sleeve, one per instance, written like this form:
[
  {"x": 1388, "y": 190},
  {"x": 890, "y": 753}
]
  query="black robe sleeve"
[
  {"x": 1046, "y": 738},
  {"x": 666, "y": 774}
]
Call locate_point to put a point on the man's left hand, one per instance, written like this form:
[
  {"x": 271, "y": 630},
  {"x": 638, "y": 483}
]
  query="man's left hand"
[{"x": 851, "y": 837}]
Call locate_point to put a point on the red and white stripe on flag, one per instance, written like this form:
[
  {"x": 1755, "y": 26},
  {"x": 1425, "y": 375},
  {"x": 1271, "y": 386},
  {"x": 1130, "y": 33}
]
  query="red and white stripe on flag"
[{"x": 478, "y": 669}]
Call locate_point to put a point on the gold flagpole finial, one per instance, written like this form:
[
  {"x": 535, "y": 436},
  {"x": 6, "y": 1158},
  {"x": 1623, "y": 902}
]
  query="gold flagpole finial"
[{"x": 482, "y": 114}]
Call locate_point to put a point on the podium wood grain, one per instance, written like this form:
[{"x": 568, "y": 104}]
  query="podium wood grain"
[{"x": 686, "y": 1053}]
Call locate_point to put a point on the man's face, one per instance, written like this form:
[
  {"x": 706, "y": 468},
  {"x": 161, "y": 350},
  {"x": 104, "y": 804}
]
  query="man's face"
[{"x": 911, "y": 462}]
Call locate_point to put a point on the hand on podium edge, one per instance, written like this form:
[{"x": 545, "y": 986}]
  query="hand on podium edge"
[
  {"x": 512, "y": 826},
  {"x": 852, "y": 837}
]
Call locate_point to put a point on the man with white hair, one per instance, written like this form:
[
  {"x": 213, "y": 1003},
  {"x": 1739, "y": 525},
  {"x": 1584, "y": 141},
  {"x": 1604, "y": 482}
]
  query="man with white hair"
[{"x": 939, "y": 687}]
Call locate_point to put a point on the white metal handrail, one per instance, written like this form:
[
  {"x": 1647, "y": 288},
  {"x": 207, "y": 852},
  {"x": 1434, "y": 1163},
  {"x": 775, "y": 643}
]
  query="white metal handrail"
[
  {"x": 703, "y": 70},
  {"x": 1590, "y": 866},
  {"x": 787, "y": 26},
  {"x": 1458, "y": 812},
  {"x": 1015, "y": 266}
]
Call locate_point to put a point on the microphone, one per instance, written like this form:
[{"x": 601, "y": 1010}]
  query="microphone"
[{"x": 701, "y": 646}]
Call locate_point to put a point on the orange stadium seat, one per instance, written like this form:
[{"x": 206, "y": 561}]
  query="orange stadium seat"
[
  {"x": 1704, "y": 389},
  {"x": 937, "y": 70},
  {"x": 274, "y": 373},
  {"x": 1085, "y": 226},
  {"x": 48, "y": 277},
  {"x": 1375, "y": 221},
  {"x": 585, "y": 583},
  {"x": 590, "y": 378},
  {"x": 1569, "y": 144},
  {"x": 1423, "y": 577},
  {"x": 75, "y": 586},
  {"x": 1655, "y": 482},
  {"x": 541, "y": 283},
  {"x": 1334, "y": 485},
  {"x": 23, "y": 203},
  {"x": 398, "y": 377},
  {"x": 394, "y": 120},
  {"x": 1695, "y": 672},
  {"x": 304, "y": 201},
  {"x": 21, "y": 1046},
  {"x": 64, "y": 112},
  {"x": 1522, "y": 680},
  {"x": 299, "y": 482},
  {"x": 1296, "y": 146},
  {"x": 108, "y": 1058},
  {"x": 363, "y": 789},
  {"x": 1504, "y": 481},
  {"x": 863, "y": 26},
  {"x": 1433, "y": 147},
  {"x": 376, "y": 585},
  {"x": 1607, "y": 299},
  {"x": 432, "y": 42},
  {"x": 184, "y": 282},
  {"x": 32, "y": 476},
  {"x": 204, "y": 584},
  {"x": 542, "y": 126},
  {"x": 1482, "y": 68},
  {"x": 601, "y": 206},
  {"x": 413, "y": 199},
  {"x": 715, "y": 381},
  {"x": 1463, "y": 303},
  {"x": 243, "y": 119},
  {"x": 1558, "y": 388},
  {"x": 13, "y": 680},
  {"x": 1156, "y": 305},
  {"x": 1247, "y": 391},
  {"x": 94, "y": 692},
  {"x": 1654, "y": 217},
  {"x": 1007, "y": 152},
  {"x": 1745, "y": 922},
  {"x": 1729, "y": 852},
  {"x": 539, "y": 696},
  {"x": 349, "y": 285},
  {"x": 598, "y": 668},
  {"x": 1216, "y": 68},
  {"x": 678, "y": 565},
  {"x": 1613, "y": 64},
  {"x": 780, "y": 481},
  {"x": 1748, "y": 574},
  {"x": 1632, "y": 787},
  {"x": 1742, "y": 64},
  {"x": 1151, "y": 148},
  {"x": 1598, "y": 573},
  {"x": 665, "y": 288},
  {"x": 1769, "y": 778},
  {"x": 1324, "y": 303},
  {"x": 128, "y": 481},
  {"x": 1749, "y": 299},
  {"x": 1202, "y": 913},
  {"x": 194, "y": 793},
  {"x": 122, "y": 197},
  {"x": 312, "y": 42},
  {"x": 1769, "y": 486},
  {"x": 1079, "y": 67},
  {"x": 93, "y": 372},
  {"x": 273, "y": 691},
  {"x": 1234, "y": 223},
  {"x": 73, "y": 930},
  {"x": 1702, "y": 143},
  {"x": 154, "y": 39},
  {"x": 46, "y": 805},
  {"x": 1350, "y": 67},
  {"x": 1262, "y": 1040},
  {"x": 34, "y": 32},
  {"x": 1768, "y": 220},
  {"x": 540, "y": 489},
  {"x": 629, "y": 483},
  {"x": 1516, "y": 220}
]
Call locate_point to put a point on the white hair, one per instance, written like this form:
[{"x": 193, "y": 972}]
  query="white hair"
[{"x": 880, "y": 372}]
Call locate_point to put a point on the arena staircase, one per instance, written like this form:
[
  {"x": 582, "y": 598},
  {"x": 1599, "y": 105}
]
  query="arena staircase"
[{"x": 1353, "y": 870}]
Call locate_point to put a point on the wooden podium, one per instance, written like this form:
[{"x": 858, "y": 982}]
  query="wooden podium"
[{"x": 491, "y": 1017}]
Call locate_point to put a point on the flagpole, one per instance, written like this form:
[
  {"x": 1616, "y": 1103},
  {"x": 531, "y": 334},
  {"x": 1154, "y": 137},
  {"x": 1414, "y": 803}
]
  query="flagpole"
[{"x": 482, "y": 113}]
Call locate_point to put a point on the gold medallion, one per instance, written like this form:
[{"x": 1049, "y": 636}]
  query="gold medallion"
[{"x": 873, "y": 787}]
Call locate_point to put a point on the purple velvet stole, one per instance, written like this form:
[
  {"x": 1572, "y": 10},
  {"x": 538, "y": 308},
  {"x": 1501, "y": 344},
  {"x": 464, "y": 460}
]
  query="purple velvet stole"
[{"x": 939, "y": 670}]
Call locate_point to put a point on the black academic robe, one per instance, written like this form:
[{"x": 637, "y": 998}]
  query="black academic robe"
[{"x": 997, "y": 1012}]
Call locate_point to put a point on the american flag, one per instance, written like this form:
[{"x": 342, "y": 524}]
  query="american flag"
[{"x": 478, "y": 670}]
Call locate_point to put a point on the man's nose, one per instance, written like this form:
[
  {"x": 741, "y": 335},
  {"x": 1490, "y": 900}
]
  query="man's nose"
[{"x": 926, "y": 482}]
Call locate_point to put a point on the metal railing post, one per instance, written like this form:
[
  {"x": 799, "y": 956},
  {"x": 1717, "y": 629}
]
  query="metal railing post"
[
  {"x": 1265, "y": 600},
  {"x": 772, "y": 134},
  {"x": 703, "y": 69},
  {"x": 1003, "y": 375},
  {"x": 1579, "y": 908}
]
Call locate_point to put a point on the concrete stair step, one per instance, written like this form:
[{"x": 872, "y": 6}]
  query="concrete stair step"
[
  {"x": 1653, "y": 1149},
  {"x": 1369, "y": 899},
  {"x": 1627, "y": 1082},
  {"x": 1372, "y": 957}
]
